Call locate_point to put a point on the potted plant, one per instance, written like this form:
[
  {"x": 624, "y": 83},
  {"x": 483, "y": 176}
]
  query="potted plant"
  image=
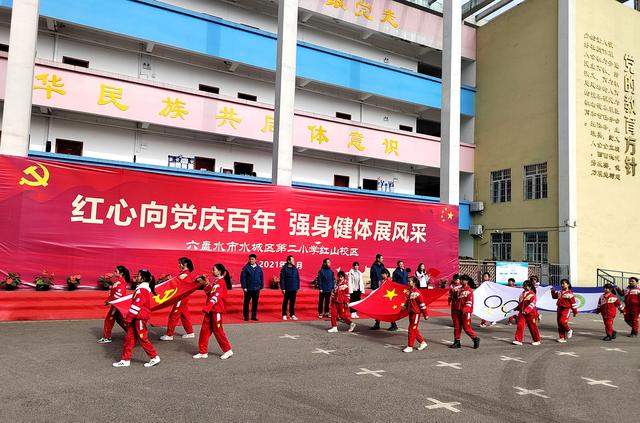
[
  {"x": 73, "y": 281},
  {"x": 274, "y": 282},
  {"x": 105, "y": 281},
  {"x": 44, "y": 281},
  {"x": 12, "y": 281}
]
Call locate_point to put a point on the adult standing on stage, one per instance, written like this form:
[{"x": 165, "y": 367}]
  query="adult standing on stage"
[
  {"x": 326, "y": 283},
  {"x": 290, "y": 284},
  {"x": 375, "y": 272},
  {"x": 252, "y": 281},
  {"x": 400, "y": 275},
  {"x": 356, "y": 286}
]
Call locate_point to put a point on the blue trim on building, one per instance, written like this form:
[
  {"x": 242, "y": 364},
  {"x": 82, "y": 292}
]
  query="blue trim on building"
[
  {"x": 464, "y": 215},
  {"x": 160, "y": 23}
]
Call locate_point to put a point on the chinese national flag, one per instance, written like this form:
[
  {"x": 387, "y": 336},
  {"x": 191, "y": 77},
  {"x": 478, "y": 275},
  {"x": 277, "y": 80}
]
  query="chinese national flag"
[
  {"x": 386, "y": 303},
  {"x": 167, "y": 294}
]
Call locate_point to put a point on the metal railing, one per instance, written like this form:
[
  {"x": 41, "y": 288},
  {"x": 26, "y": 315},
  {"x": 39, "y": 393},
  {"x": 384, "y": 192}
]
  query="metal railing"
[
  {"x": 548, "y": 273},
  {"x": 616, "y": 277}
]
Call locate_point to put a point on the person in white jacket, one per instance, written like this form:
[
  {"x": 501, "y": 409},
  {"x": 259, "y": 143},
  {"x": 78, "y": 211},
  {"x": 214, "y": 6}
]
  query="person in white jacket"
[
  {"x": 356, "y": 286},
  {"x": 422, "y": 276}
]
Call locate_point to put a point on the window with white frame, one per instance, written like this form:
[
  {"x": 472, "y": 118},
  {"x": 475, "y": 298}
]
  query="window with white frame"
[
  {"x": 535, "y": 181},
  {"x": 501, "y": 246},
  {"x": 536, "y": 247},
  {"x": 501, "y": 186}
]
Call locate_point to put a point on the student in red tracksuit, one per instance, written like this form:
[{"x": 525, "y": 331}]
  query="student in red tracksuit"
[
  {"x": 607, "y": 305},
  {"x": 454, "y": 288},
  {"x": 631, "y": 304},
  {"x": 214, "y": 308},
  {"x": 180, "y": 310},
  {"x": 137, "y": 318},
  {"x": 512, "y": 284},
  {"x": 118, "y": 290},
  {"x": 527, "y": 314},
  {"x": 414, "y": 303},
  {"x": 461, "y": 309},
  {"x": 566, "y": 304},
  {"x": 340, "y": 304}
]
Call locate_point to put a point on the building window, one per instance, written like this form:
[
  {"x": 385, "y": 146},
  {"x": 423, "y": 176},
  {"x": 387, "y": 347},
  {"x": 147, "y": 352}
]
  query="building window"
[
  {"x": 501, "y": 186},
  {"x": 181, "y": 162},
  {"x": 341, "y": 115},
  {"x": 209, "y": 89},
  {"x": 371, "y": 184},
  {"x": 75, "y": 62},
  {"x": 243, "y": 168},
  {"x": 535, "y": 181},
  {"x": 427, "y": 185},
  {"x": 249, "y": 97},
  {"x": 4, "y": 47},
  {"x": 406, "y": 128},
  {"x": 536, "y": 247},
  {"x": 73, "y": 148},
  {"x": 427, "y": 69},
  {"x": 428, "y": 127},
  {"x": 501, "y": 246},
  {"x": 341, "y": 181},
  {"x": 204, "y": 163}
]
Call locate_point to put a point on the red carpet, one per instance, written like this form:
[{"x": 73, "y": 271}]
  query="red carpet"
[{"x": 78, "y": 305}]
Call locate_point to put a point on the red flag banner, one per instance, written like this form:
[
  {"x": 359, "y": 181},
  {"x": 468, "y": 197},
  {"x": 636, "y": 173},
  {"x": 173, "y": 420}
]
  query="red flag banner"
[
  {"x": 167, "y": 293},
  {"x": 387, "y": 302}
]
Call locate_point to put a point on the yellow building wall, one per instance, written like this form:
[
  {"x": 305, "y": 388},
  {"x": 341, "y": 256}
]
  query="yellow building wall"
[
  {"x": 608, "y": 206},
  {"x": 516, "y": 121}
]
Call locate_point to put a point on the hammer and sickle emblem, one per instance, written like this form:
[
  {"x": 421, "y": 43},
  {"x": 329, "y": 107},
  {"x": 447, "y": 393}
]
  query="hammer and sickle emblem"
[
  {"x": 39, "y": 180},
  {"x": 168, "y": 294}
]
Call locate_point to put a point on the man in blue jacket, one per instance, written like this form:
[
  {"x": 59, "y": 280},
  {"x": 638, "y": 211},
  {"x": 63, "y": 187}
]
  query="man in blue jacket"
[
  {"x": 326, "y": 282},
  {"x": 252, "y": 281},
  {"x": 400, "y": 275},
  {"x": 290, "y": 284},
  {"x": 375, "y": 272}
]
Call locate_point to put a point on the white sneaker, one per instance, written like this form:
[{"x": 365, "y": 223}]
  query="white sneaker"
[
  {"x": 562, "y": 340},
  {"x": 189, "y": 335},
  {"x": 333, "y": 330},
  {"x": 284, "y": 317},
  {"x": 201, "y": 355},
  {"x": 352, "y": 326},
  {"x": 517, "y": 343},
  {"x": 166, "y": 338},
  {"x": 482, "y": 325},
  {"x": 492, "y": 324},
  {"x": 355, "y": 316},
  {"x": 422, "y": 345},
  {"x": 408, "y": 349},
  {"x": 294, "y": 317},
  {"x": 122, "y": 363},
  {"x": 155, "y": 360},
  {"x": 226, "y": 355},
  {"x": 104, "y": 341},
  {"x": 570, "y": 333},
  {"x": 536, "y": 343}
]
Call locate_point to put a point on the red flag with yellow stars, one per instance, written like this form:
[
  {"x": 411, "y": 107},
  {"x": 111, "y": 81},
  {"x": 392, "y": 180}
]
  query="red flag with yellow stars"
[{"x": 387, "y": 302}]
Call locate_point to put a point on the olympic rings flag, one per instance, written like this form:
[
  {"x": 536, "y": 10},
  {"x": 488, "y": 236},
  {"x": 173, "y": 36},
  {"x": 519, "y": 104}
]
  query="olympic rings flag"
[{"x": 494, "y": 302}]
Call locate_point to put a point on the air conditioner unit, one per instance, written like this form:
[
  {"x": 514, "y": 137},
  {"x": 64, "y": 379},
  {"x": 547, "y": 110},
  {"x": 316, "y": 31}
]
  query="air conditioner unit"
[
  {"x": 475, "y": 230},
  {"x": 476, "y": 206}
]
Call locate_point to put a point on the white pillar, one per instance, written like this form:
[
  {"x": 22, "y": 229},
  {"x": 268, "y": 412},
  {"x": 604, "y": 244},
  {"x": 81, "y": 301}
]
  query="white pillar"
[
  {"x": 16, "y": 120},
  {"x": 282, "y": 164},
  {"x": 567, "y": 178},
  {"x": 450, "y": 112}
]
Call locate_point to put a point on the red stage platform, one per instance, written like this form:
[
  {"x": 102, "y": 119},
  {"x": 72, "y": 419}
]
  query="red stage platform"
[{"x": 79, "y": 305}]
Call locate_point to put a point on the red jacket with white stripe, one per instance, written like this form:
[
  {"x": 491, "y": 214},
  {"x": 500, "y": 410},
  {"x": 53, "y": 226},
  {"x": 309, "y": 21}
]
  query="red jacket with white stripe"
[
  {"x": 341, "y": 292},
  {"x": 452, "y": 300},
  {"x": 216, "y": 297},
  {"x": 631, "y": 296},
  {"x": 140, "y": 307},
  {"x": 415, "y": 302},
  {"x": 118, "y": 289},
  {"x": 607, "y": 305},
  {"x": 566, "y": 299},
  {"x": 527, "y": 304},
  {"x": 465, "y": 299}
]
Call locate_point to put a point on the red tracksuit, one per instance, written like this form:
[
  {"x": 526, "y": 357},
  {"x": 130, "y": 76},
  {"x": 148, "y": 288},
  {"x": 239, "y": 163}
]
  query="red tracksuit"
[
  {"x": 416, "y": 306},
  {"x": 631, "y": 307},
  {"x": 117, "y": 290},
  {"x": 461, "y": 309},
  {"x": 566, "y": 304},
  {"x": 180, "y": 311},
  {"x": 340, "y": 303},
  {"x": 137, "y": 317},
  {"x": 213, "y": 309},
  {"x": 607, "y": 305},
  {"x": 527, "y": 314}
]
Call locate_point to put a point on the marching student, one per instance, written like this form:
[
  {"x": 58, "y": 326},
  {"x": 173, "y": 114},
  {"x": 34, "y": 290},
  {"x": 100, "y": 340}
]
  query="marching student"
[
  {"x": 356, "y": 286},
  {"x": 214, "y": 308},
  {"x": 566, "y": 303},
  {"x": 607, "y": 305},
  {"x": 414, "y": 303},
  {"x": 461, "y": 309},
  {"x": 452, "y": 299},
  {"x": 180, "y": 310},
  {"x": 527, "y": 314},
  {"x": 486, "y": 277},
  {"x": 631, "y": 304},
  {"x": 386, "y": 277},
  {"x": 137, "y": 318},
  {"x": 340, "y": 304},
  {"x": 289, "y": 284},
  {"x": 512, "y": 284},
  {"x": 118, "y": 290},
  {"x": 326, "y": 283}
]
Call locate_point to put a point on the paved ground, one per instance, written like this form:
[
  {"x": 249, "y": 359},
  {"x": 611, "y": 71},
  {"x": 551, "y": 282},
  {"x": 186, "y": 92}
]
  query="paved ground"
[{"x": 54, "y": 371}]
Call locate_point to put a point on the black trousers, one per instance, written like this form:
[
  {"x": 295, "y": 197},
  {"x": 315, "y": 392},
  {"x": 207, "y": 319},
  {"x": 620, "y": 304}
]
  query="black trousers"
[
  {"x": 290, "y": 298},
  {"x": 355, "y": 296},
  {"x": 251, "y": 296},
  {"x": 323, "y": 302}
]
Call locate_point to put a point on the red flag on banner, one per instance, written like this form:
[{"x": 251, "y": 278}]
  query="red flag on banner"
[
  {"x": 167, "y": 293},
  {"x": 386, "y": 303}
]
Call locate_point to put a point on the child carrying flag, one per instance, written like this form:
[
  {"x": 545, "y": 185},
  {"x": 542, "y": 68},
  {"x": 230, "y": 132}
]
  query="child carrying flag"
[
  {"x": 416, "y": 306},
  {"x": 527, "y": 314},
  {"x": 118, "y": 290},
  {"x": 340, "y": 304},
  {"x": 607, "y": 305},
  {"x": 566, "y": 304}
]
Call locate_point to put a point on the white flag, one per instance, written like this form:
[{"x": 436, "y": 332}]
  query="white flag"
[{"x": 494, "y": 302}]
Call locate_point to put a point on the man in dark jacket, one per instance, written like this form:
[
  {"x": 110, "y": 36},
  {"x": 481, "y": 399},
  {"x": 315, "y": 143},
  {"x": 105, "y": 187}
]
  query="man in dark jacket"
[
  {"x": 252, "y": 281},
  {"x": 375, "y": 272},
  {"x": 290, "y": 284},
  {"x": 400, "y": 275},
  {"x": 326, "y": 282}
]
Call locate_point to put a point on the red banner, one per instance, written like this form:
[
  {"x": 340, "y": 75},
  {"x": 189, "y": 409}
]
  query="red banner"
[
  {"x": 167, "y": 293},
  {"x": 73, "y": 218}
]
